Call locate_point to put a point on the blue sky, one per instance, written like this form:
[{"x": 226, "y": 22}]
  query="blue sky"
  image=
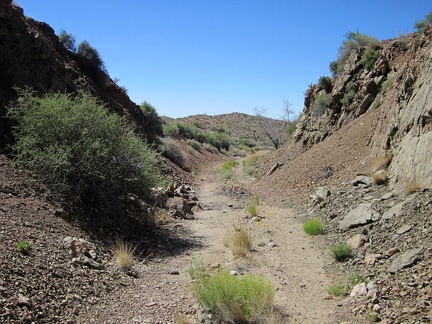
[{"x": 221, "y": 56}]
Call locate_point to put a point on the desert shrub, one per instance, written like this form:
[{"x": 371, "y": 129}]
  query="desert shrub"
[
  {"x": 341, "y": 251},
  {"x": 91, "y": 64},
  {"x": 326, "y": 83},
  {"x": 194, "y": 144},
  {"x": 80, "y": 150},
  {"x": 353, "y": 41},
  {"x": 172, "y": 150},
  {"x": 369, "y": 58},
  {"x": 320, "y": 104},
  {"x": 229, "y": 298},
  {"x": 313, "y": 226},
  {"x": 421, "y": 25},
  {"x": 124, "y": 254},
  {"x": 381, "y": 162},
  {"x": 226, "y": 171},
  {"x": 24, "y": 246},
  {"x": 239, "y": 242},
  {"x": 255, "y": 200},
  {"x": 170, "y": 130},
  {"x": 152, "y": 116},
  {"x": 379, "y": 177},
  {"x": 91, "y": 55},
  {"x": 349, "y": 94},
  {"x": 249, "y": 165},
  {"x": 338, "y": 289},
  {"x": 252, "y": 210},
  {"x": 411, "y": 187},
  {"x": 290, "y": 128},
  {"x": 68, "y": 40},
  {"x": 385, "y": 85}
]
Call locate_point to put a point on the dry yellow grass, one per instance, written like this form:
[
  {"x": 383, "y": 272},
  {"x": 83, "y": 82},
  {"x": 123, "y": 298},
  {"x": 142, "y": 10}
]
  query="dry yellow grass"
[
  {"x": 239, "y": 242},
  {"x": 123, "y": 253},
  {"x": 412, "y": 187},
  {"x": 379, "y": 177},
  {"x": 381, "y": 163}
]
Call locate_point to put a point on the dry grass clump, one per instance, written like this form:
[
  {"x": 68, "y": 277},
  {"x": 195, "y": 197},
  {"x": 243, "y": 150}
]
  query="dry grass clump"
[
  {"x": 239, "y": 242},
  {"x": 379, "y": 177},
  {"x": 381, "y": 163},
  {"x": 123, "y": 253},
  {"x": 412, "y": 187},
  {"x": 232, "y": 299}
]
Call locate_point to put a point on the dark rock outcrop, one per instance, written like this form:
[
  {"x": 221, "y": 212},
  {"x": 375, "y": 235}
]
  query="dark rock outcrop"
[{"x": 32, "y": 56}]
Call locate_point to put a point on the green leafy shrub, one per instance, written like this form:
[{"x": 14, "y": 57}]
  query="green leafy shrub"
[
  {"x": 229, "y": 298},
  {"x": 421, "y": 25},
  {"x": 338, "y": 290},
  {"x": 249, "y": 165},
  {"x": 68, "y": 40},
  {"x": 170, "y": 130},
  {"x": 226, "y": 169},
  {"x": 194, "y": 144},
  {"x": 152, "y": 116},
  {"x": 91, "y": 64},
  {"x": 24, "y": 246},
  {"x": 80, "y": 150},
  {"x": 320, "y": 104},
  {"x": 341, "y": 251},
  {"x": 353, "y": 41},
  {"x": 313, "y": 226},
  {"x": 349, "y": 94},
  {"x": 369, "y": 58},
  {"x": 326, "y": 83}
]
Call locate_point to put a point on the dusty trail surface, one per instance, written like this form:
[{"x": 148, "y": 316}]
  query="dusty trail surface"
[{"x": 282, "y": 252}]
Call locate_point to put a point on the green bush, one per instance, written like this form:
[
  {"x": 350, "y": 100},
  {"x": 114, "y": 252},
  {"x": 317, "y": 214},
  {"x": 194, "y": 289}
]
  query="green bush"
[
  {"x": 24, "y": 246},
  {"x": 320, "y": 104},
  {"x": 369, "y": 58},
  {"x": 326, "y": 83},
  {"x": 170, "y": 130},
  {"x": 194, "y": 144},
  {"x": 226, "y": 169},
  {"x": 68, "y": 40},
  {"x": 341, "y": 251},
  {"x": 80, "y": 150},
  {"x": 91, "y": 54},
  {"x": 421, "y": 25},
  {"x": 152, "y": 116},
  {"x": 353, "y": 41},
  {"x": 313, "y": 226},
  {"x": 349, "y": 94},
  {"x": 241, "y": 300}
]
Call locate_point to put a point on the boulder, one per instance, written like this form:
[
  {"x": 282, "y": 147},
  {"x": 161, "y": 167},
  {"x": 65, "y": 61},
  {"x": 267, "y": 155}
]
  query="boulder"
[
  {"x": 405, "y": 260},
  {"x": 363, "y": 214}
]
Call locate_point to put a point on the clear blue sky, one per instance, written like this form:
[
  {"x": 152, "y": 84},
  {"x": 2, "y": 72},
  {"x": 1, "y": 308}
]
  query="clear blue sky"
[{"x": 188, "y": 57}]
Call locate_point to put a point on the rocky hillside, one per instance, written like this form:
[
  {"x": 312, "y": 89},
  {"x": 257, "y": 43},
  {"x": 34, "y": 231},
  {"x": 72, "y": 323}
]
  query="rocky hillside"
[
  {"x": 238, "y": 126},
  {"x": 398, "y": 87},
  {"x": 33, "y": 56}
]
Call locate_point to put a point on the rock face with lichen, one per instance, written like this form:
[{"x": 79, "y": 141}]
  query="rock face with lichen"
[
  {"x": 32, "y": 56},
  {"x": 399, "y": 87}
]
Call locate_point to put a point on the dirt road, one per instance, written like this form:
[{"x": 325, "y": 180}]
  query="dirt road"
[{"x": 282, "y": 252}]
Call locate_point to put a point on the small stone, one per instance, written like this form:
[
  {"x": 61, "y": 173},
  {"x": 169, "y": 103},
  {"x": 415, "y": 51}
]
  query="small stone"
[
  {"x": 371, "y": 258},
  {"x": 405, "y": 260},
  {"x": 403, "y": 229},
  {"x": 392, "y": 251},
  {"x": 24, "y": 301},
  {"x": 214, "y": 265},
  {"x": 357, "y": 241},
  {"x": 233, "y": 273},
  {"x": 359, "y": 290}
]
